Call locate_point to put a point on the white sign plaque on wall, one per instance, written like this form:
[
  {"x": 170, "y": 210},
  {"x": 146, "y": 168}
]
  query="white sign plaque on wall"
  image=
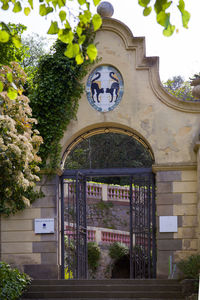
[
  {"x": 168, "y": 223},
  {"x": 44, "y": 225}
]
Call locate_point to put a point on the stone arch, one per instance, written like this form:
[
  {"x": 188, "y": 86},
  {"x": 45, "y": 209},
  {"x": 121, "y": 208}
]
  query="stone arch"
[{"x": 103, "y": 129}]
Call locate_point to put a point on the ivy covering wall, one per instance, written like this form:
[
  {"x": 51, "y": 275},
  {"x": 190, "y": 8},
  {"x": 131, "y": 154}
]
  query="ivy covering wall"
[{"x": 56, "y": 91}]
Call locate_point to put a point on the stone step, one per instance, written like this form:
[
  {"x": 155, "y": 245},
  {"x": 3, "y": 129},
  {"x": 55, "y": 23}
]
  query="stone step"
[
  {"x": 103, "y": 294},
  {"x": 105, "y": 281},
  {"x": 106, "y": 287},
  {"x": 120, "y": 289},
  {"x": 104, "y": 298}
]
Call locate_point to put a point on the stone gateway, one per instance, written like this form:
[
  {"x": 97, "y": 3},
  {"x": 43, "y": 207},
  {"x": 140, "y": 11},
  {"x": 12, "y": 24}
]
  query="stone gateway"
[{"x": 122, "y": 91}]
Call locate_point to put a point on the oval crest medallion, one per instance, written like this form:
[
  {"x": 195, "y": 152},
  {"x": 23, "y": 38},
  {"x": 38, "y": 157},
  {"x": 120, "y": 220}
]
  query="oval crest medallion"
[{"x": 104, "y": 88}]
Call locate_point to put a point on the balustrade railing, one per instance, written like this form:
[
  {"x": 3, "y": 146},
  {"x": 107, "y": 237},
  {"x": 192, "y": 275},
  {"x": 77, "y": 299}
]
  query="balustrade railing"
[
  {"x": 111, "y": 237},
  {"x": 94, "y": 191},
  {"x": 101, "y": 235},
  {"x": 118, "y": 193},
  {"x": 105, "y": 192}
]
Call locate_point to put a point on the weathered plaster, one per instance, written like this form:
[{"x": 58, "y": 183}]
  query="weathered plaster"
[{"x": 169, "y": 125}]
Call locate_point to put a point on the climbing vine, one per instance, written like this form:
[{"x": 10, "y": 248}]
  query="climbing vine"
[{"x": 54, "y": 98}]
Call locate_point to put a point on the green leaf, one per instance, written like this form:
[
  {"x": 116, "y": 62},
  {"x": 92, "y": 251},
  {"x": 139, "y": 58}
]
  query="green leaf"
[
  {"x": 27, "y": 11},
  {"x": 53, "y": 29},
  {"x": 49, "y": 9},
  {"x": 161, "y": 5},
  {"x": 92, "y": 52},
  {"x": 81, "y": 39},
  {"x": 67, "y": 25},
  {"x": 62, "y": 15},
  {"x": 181, "y": 5},
  {"x": 96, "y": 2},
  {"x": 69, "y": 51},
  {"x": 61, "y": 3},
  {"x": 4, "y": 36},
  {"x": 143, "y": 3},
  {"x": 88, "y": 5},
  {"x": 45, "y": 10},
  {"x": 81, "y": 2},
  {"x": 88, "y": 15},
  {"x": 163, "y": 19},
  {"x": 12, "y": 93},
  {"x": 9, "y": 77},
  {"x": 31, "y": 3},
  {"x": 85, "y": 18},
  {"x": 17, "y": 7},
  {"x": 169, "y": 30},
  {"x": 5, "y": 6},
  {"x": 1, "y": 86},
  {"x": 185, "y": 13},
  {"x": 79, "y": 59},
  {"x": 185, "y": 18},
  {"x": 17, "y": 41},
  {"x": 147, "y": 11},
  {"x": 72, "y": 50},
  {"x": 42, "y": 10},
  {"x": 65, "y": 36},
  {"x": 96, "y": 21},
  {"x": 54, "y": 2},
  {"x": 76, "y": 49},
  {"x": 79, "y": 30}
]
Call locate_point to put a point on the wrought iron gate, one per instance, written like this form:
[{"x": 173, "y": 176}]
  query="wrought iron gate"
[
  {"x": 142, "y": 226},
  {"x": 142, "y": 221},
  {"x": 74, "y": 227}
]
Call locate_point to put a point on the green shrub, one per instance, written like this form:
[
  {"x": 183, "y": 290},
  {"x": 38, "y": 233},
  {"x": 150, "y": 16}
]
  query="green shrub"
[
  {"x": 190, "y": 267},
  {"x": 93, "y": 255},
  {"x": 118, "y": 250},
  {"x": 12, "y": 282}
]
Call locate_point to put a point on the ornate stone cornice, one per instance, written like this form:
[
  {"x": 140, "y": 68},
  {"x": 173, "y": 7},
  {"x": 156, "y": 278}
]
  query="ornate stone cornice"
[
  {"x": 151, "y": 64},
  {"x": 174, "y": 167}
]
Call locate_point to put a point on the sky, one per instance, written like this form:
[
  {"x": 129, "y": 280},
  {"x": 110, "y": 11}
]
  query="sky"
[{"x": 179, "y": 54}]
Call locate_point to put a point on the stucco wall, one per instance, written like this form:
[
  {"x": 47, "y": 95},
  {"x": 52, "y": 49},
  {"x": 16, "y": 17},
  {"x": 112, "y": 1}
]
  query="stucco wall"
[{"x": 169, "y": 125}]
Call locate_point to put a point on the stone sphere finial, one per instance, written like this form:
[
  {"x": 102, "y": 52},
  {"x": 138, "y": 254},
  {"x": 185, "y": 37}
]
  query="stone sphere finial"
[{"x": 105, "y": 9}]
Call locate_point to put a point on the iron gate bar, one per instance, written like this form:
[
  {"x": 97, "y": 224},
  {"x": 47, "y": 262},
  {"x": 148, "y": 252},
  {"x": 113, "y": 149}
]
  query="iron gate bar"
[
  {"x": 153, "y": 227},
  {"x": 77, "y": 226},
  {"x": 81, "y": 227},
  {"x": 131, "y": 227},
  {"x": 107, "y": 172},
  {"x": 149, "y": 229},
  {"x": 62, "y": 229}
]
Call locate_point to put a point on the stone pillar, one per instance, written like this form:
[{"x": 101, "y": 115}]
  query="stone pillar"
[
  {"x": 104, "y": 192},
  {"x": 197, "y": 150},
  {"x": 176, "y": 196}
]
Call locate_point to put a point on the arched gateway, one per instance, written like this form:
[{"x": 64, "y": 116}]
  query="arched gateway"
[{"x": 123, "y": 94}]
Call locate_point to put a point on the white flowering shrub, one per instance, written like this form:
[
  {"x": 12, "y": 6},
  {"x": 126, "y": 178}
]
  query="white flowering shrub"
[{"x": 19, "y": 143}]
